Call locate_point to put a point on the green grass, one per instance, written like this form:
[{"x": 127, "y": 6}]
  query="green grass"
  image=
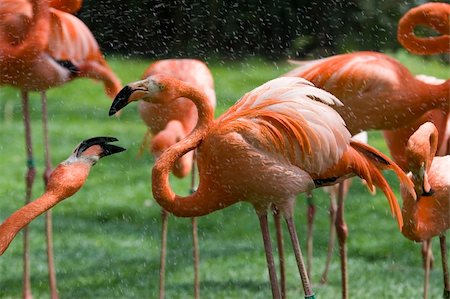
[{"x": 107, "y": 235}]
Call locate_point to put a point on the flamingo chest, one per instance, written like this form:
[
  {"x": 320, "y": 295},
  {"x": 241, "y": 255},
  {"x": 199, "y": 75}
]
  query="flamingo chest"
[{"x": 248, "y": 173}]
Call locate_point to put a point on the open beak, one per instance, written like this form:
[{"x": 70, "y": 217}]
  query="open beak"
[
  {"x": 103, "y": 142},
  {"x": 121, "y": 100}
]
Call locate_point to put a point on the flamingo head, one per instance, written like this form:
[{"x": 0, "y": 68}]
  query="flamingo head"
[
  {"x": 154, "y": 89},
  {"x": 70, "y": 175},
  {"x": 420, "y": 151}
]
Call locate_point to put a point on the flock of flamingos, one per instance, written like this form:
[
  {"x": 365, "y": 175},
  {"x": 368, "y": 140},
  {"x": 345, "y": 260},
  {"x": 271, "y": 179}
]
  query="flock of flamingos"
[{"x": 286, "y": 137}]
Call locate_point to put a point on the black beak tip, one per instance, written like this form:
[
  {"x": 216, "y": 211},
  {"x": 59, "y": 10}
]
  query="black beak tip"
[
  {"x": 112, "y": 111},
  {"x": 121, "y": 100},
  {"x": 110, "y": 149},
  {"x": 103, "y": 142}
]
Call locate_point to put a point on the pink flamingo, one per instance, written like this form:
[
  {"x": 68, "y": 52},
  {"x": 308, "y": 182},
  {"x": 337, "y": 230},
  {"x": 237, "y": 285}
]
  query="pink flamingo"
[
  {"x": 170, "y": 123},
  {"x": 43, "y": 47},
  {"x": 279, "y": 140}
]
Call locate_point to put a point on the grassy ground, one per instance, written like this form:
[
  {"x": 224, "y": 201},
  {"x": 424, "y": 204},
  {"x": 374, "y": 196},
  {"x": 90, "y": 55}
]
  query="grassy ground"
[{"x": 107, "y": 236}]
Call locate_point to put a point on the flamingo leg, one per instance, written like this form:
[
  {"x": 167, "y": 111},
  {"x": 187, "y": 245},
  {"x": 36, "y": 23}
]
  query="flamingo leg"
[
  {"x": 333, "y": 211},
  {"x": 280, "y": 247},
  {"x": 269, "y": 256},
  {"x": 29, "y": 179},
  {"x": 342, "y": 233},
  {"x": 298, "y": 256},
  {"x": 48, "y": 214},
  {"x": 427, "y": 268},
  {"x": 442, "y": 241},
  {"x": 425, "y": 253},
  {"x": 162, "y": 267},
  {"x": 309, "y": 232},
  {"x": 195, "y": 248}
]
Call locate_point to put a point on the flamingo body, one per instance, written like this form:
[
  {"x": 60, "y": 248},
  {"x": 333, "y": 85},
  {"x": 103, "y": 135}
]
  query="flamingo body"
[{"x": 375, "y": 89}]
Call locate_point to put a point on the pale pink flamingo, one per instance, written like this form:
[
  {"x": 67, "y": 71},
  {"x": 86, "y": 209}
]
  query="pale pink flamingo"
[{"x": 169, "y": 124}]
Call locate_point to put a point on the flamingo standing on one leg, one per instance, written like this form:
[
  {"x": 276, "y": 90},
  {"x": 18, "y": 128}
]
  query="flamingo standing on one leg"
[
  {"x": 279, "y": 140},
  {"x": 67, "y": 178},
  {"x": 42, "y": 47},
  {"x": 428, "y": 215},
  {"x": 380, "y": 93},
  {"x": 169, "y": 124}
]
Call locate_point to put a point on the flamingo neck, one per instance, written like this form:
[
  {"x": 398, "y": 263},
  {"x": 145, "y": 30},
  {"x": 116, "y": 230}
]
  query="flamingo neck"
[
  {"x": 409, "y": 213},
  {"x": 22, "y": 217},
  {"x": 36, "y": 39},
  {"x": 202, "y": 201},
  {"x": 433, "y": 15}
]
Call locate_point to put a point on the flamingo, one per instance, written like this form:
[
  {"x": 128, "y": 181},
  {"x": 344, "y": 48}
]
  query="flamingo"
[
  {"x": 67, "y": 178},
  {"x": 428, "y": 215},
  {"x": 378, "y": 92},
  {"x": 42, "y": 47},
  {"x": 279, "y": 140},
  {"x": 397, "y": 141},
  {"x": 170, "y": 123}
]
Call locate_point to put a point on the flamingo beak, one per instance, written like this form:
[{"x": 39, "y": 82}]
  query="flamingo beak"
[
  {"x": 103, "y": 142},
  {"x": 121, "y": 100}
]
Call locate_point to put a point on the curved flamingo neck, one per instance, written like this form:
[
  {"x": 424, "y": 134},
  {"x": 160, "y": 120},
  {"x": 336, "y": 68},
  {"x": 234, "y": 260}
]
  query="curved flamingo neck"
[
  {"x": 409, "y": 213},
  {"x": 37, "y": 37},
  {"x": 202, "y": 201},
  {"x": 19, "y": 219},
  {"x": 433, "y": 15}
]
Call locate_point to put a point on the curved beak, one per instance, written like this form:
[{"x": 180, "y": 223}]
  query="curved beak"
[
  {"x": 103, "y": 142},
  {"x": 121, "y": 100}
]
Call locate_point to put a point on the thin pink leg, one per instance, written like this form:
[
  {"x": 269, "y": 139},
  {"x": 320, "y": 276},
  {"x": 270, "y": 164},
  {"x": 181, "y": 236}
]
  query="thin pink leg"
[
  {"x": 298, "y": 256},
  {"x": 48, "y": 214},
  {"x": 442, "y": 241},
  {"x": 269, "y": 256},
  {"x": 162, "y": 267},
  {"x": 309, "y": 231},
  {"x": 195, "y": 249},
  {"x": 342, "y": 233},
  {"x": 427, "y": 269},
  {"x": 331, "y": 239},
  {"x": 29, "y": 179},
  {"x": 279, "y": 233}
]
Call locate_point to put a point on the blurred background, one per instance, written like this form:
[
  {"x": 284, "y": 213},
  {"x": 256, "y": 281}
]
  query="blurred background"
[{"x": 234, "y": 29}]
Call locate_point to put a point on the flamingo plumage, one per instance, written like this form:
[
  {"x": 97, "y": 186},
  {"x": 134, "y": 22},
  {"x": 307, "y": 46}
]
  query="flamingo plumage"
[
  {"x": 378, "y": 92},
  {"x": 43, "y": 47},
  {"x": 170, "y": 123},
  {"x": 428, "y": 215},
  {"x": 279, "y": 140}
]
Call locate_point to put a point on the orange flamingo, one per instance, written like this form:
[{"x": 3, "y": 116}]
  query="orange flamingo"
[
  {"x": 397, "y": 141},
  {"x": 428, "y": 215},
  {"x": 170, "y": 123},
  {"x": 67, "y": 178},
  {"x": 279, "y": 140},
  {"x": 378, "y": 92},
  {"x": 42, "y": 47}
]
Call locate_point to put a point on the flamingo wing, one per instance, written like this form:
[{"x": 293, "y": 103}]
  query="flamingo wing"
[
  {"x": 293, "y": 120},
  {"x": 71, "y": 40}
]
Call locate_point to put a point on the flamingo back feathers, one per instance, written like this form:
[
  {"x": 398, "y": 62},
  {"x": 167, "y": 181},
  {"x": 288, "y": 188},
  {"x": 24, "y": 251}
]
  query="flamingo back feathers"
[
  {"x": 336, "y": 72},
  {"x": 293, "y": 118}
]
